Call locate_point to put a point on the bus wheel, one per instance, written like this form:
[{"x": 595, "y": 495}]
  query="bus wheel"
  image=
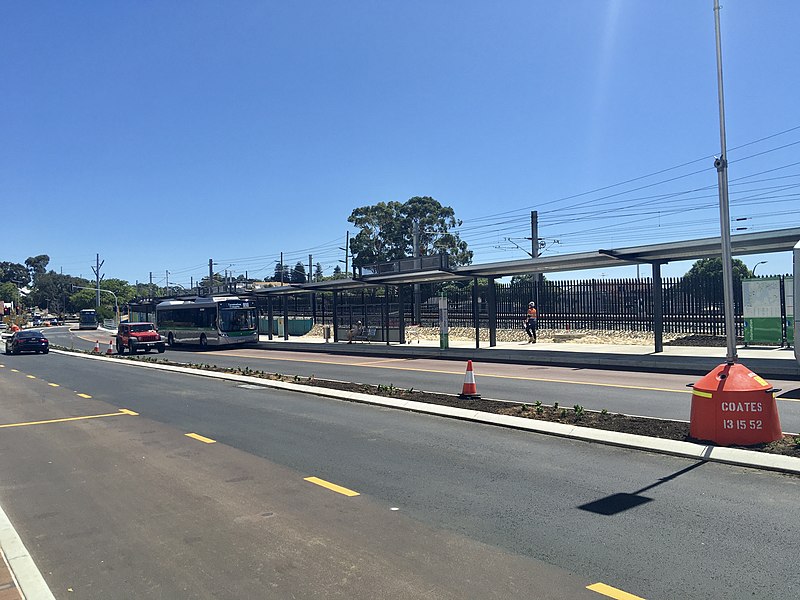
[{"x": 203, "y": 341}]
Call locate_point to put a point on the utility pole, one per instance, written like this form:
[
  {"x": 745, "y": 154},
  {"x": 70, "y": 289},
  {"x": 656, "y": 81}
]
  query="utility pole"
[
  {"x": 310, "y": 272},
  {"x": 150, "y": 289},
  {"x": 97, "y": 279},
  {"x": 417, "y": 291},
  {"x": 210, "y": 272},
  {"x": 346, "y": 253},
  {"x": 167, "y": 283},
  {"x": 281, "y": 268},
  {"x": 721, "y": 164}
]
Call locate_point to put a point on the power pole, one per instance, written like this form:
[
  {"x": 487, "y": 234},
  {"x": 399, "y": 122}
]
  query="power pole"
[
  {"x": 535, "y": 243},
  {"x": 167, "y": 283},
  {"x": 417, "y": 291},
  {"x": 97, "y": 279},
  {"x": 150, "y": 289},
  {"x": 310, "y": 272},
  {"x": 281, "y": 268},
  {"x": 346, "y": 253},
  {"x": 210, "y": 272}
]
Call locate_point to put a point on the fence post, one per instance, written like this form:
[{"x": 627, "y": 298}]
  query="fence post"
[
  {"x": 492, "y": 310},
  {"x": 658, "y": 308},
  {"x": 475, "y": 315}
]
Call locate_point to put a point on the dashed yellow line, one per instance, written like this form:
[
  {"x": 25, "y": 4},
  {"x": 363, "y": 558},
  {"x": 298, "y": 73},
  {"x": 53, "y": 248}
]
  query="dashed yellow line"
[
  {"x": 14, "y": 371},
  {"x": 30, "y": 376},
  {"x": 84, "y": 395},
  {"x": 122, "y": 411},
  {"x": 331, "y": 486},
  {"x": 612, "y": 592},
  {"x": 197, "y": 436},
  {"x": 53, "y": 385}
]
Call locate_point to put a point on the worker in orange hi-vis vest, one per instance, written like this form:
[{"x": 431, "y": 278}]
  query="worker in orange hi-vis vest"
[{"x": 530, "y": 322}]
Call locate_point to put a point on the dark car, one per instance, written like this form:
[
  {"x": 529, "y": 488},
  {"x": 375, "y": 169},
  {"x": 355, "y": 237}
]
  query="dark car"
[{"x": 27, "y": 341}]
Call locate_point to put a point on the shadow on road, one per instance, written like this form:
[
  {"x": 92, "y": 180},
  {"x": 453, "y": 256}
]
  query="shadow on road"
[{"x": 617, "y": 503}]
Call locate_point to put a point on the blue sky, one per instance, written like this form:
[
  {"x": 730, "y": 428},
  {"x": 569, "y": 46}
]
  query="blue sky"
[{"x": 239, "y": 130}]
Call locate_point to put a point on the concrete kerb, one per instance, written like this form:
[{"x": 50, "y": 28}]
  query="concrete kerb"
[
  {"x": 25, "y": 572},
  {"x": 732, "y": 456}
]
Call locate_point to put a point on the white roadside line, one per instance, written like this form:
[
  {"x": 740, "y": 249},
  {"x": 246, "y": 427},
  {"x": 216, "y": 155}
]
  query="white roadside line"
[
  {"x": 23, "y": 569},
  {"x": 731, "y": 456}
]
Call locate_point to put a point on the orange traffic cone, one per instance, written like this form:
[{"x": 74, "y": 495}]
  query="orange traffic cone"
[
  {"x": 110, "y": 347},
  {"x": 96, "y": 349},
  {"x": 470, "y": 390}
]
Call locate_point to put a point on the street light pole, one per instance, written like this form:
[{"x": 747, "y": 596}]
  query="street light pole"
[{"x": 763, "y": 262}]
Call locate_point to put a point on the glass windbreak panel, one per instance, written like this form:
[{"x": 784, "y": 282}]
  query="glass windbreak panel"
[{"x": 238, "y": 319}]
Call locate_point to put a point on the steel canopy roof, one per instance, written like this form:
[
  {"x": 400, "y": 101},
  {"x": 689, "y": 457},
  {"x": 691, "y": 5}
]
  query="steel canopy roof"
[
  {"x": 778, "y": 240},
  {"x": 748, "y": 243}
]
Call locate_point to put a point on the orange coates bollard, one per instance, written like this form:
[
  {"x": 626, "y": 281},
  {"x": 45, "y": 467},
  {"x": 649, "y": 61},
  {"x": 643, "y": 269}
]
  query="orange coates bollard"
[{"x": 731, "y": 405}]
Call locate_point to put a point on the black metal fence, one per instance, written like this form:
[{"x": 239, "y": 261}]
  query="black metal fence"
[{"x": 690, "y": 305}]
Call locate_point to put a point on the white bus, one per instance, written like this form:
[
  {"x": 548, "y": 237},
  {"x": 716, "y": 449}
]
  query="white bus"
[{"x": 213, "y": 321}]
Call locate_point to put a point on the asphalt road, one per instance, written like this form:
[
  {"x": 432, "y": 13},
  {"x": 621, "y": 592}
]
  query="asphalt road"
[
  {"x": 130, "y": 503},
  {"x": 647, "y": 394}
]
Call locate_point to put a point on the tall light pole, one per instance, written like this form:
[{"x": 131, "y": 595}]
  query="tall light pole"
[
  {"x": 763, "y": 262},
  {"x": 721, "y": 165}
]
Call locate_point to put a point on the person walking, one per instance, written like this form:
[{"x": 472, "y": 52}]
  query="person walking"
[{"x": 530, "y": 322}]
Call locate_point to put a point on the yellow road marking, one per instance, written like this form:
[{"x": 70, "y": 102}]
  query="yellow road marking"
[
  {"x": 203, "y": 439},
  {"x": 612, "y": 592},
  {"x": 440, "y": 371},
  {"x": 128, "y": 412},
  {"x": 30, "y": 376},
  {"x": 702, "y": 394},
  {"x": 377, "y": 362},
  {"x": 121, "y": 412},
  {"x": 14, "y": 371},
  {"x": 84, "y": 395},
  {"x": 331, "y": 486},
  {"x": 2, "y": 366},
  {"x": 53, "y": 385}
]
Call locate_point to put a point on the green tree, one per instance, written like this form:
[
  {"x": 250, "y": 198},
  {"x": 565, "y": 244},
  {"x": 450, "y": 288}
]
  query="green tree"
[
  {"x": 52, "y": 290},
  {"x": 14, "y": 273},
  {"x": 298, "y": 274},
  {"x": 710, "y": 269},
  {"x": 386, "y": 231},
  {"x": 37, "y": 265},
  {"x": 318, "y": 274},
  {"x": 284, "y": 270},
  {"x": 9, "y": 292}
]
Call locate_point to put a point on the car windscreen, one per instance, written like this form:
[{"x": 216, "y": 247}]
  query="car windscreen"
[
  {"x": 29, "y": 334},
  {"x": 143, "y": 327},
  {"x": 238, "y": 319}
]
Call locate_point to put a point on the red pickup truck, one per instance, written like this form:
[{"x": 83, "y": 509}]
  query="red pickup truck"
[{"x": 138, "y": 336}]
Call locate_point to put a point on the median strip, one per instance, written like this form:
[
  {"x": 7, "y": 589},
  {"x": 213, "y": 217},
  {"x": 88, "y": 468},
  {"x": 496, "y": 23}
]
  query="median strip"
[
  {"x": 611, "y": 592},
  {"x": 197, "y": 436},
  {"x": 331, "y": 486}
]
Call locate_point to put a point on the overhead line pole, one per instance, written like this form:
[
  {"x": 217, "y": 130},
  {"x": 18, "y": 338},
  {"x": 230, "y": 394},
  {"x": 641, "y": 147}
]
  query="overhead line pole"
[{"x": 721, "y": 165}]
